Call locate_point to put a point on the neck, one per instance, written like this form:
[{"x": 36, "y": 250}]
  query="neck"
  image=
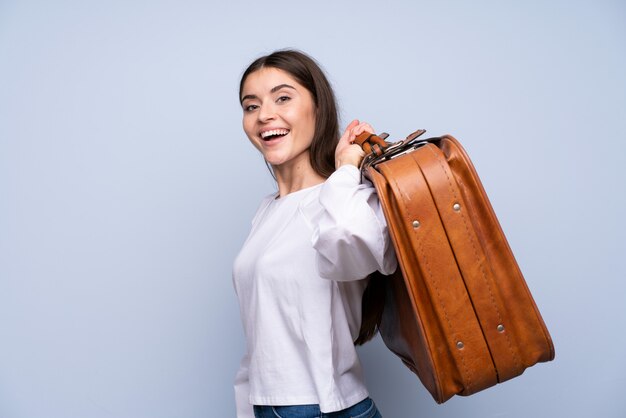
[{"x": 296, "y": 175}]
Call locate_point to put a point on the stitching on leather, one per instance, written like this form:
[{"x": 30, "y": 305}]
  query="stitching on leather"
[
  {"x": 482, "y": 269},
  {"x": 393, "y": 232},
  {"x": 430, "y": 273}
]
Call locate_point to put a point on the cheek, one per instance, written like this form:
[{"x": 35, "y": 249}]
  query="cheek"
[
  {"x": 253, "y": 141},
  {"x": 248, "y": 129},
  {"x": 306, "y": 120},
  {"x": 311, "y": 124},
  {"x": 247, "y": 126}
]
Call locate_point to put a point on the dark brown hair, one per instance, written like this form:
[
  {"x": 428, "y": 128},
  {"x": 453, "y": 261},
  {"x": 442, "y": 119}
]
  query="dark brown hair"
[{"x": 308, "y": 73}]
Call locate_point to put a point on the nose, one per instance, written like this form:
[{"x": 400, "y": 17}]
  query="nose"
[{"x": 267, "y": 112}]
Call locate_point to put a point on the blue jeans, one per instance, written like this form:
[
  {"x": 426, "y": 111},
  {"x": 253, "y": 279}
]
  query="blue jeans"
[{"x": 364, "y": 409}]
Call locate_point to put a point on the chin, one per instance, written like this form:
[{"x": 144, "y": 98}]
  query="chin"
[{"x": 275, "y": 160}]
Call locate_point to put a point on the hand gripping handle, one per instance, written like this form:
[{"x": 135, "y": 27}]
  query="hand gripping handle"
[{"x": 378, "y": 150}]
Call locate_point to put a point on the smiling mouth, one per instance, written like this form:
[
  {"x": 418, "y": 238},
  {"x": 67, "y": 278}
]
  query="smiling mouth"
[{"x": 274, "y": 134}]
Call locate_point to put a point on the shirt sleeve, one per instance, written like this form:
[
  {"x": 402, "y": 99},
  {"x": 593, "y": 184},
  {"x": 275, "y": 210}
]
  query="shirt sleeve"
[
  {"x": 242, "y": 391},
  {"x": 349, "y": 229}
]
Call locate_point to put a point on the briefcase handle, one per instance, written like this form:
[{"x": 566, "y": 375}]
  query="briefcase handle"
[
  {"x": 378, "y": 150},
  {"x": 372, "y": 143}
]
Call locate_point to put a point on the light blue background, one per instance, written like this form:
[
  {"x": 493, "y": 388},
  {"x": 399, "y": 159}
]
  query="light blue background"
[{"x": 127, "y": 187}]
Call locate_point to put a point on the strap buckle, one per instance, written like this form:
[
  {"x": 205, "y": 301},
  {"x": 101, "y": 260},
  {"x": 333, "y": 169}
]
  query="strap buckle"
[{"x": 392, "y": 150}]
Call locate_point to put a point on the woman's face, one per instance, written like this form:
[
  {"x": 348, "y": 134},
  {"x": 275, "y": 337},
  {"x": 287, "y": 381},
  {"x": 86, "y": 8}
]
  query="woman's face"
[{"x": 278, "y": 116}]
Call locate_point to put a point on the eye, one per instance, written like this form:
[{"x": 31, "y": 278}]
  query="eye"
[
  {"x": 283, "y": 99},
  {"x": 250, "y": 108}
]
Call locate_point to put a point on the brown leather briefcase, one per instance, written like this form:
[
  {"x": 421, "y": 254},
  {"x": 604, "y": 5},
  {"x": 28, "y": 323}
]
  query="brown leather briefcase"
[{"x": 458, "y": 311}]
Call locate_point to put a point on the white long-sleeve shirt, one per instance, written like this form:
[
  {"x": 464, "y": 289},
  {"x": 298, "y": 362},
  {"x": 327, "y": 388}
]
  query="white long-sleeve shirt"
[{"x": 300, "y": 278}]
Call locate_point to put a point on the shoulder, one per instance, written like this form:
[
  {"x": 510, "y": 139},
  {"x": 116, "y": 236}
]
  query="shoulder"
[{"x": 265, "y": 202}]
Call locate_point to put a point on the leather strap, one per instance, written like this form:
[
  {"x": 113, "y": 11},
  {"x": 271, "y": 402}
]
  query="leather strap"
[
  {"x": 472, "y": 261},
  {"x": 437, "y": 265},
  {"x": 371, "y": 143}
]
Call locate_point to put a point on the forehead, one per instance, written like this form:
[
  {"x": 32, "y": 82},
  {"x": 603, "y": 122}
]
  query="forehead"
[{"x": 265, "y": 79}]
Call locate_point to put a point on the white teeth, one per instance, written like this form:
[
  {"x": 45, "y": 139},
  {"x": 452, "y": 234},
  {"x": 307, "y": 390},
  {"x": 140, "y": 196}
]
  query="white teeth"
[{"x": 274, "y": 132}]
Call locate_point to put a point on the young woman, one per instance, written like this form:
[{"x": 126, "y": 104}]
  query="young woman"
[{"x": 302, "y": 272}]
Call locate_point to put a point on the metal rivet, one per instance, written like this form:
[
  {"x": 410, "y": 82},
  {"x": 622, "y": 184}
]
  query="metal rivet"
[
  {"x": 460, "y": 345},
  {"x": 416, "y": 224},
  {"x": 456, "y": 207},
  {"x": 500, "y": 328}
]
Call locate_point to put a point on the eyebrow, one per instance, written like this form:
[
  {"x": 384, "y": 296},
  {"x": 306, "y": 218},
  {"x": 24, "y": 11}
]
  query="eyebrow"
[
  {"x": 280, "y": 86},
  {"x": 273, "y": 90}
]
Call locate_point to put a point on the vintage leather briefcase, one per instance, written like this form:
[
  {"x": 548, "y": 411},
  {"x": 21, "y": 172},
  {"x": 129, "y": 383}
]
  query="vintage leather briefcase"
[{"x": 458, "y": 311}]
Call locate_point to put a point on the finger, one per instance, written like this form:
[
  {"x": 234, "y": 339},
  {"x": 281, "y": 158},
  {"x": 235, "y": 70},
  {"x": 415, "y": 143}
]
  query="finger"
[
  {"x": 358, "y": 150},
  {"x": 363, "y": 127},
  {"x": 367, "y": 127},
  {"x": 351, "y": 126},
  {"x": 348, "y": 135},
  {"x": 354, "y": 132},
  {"x": 345, "y": 137}
]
